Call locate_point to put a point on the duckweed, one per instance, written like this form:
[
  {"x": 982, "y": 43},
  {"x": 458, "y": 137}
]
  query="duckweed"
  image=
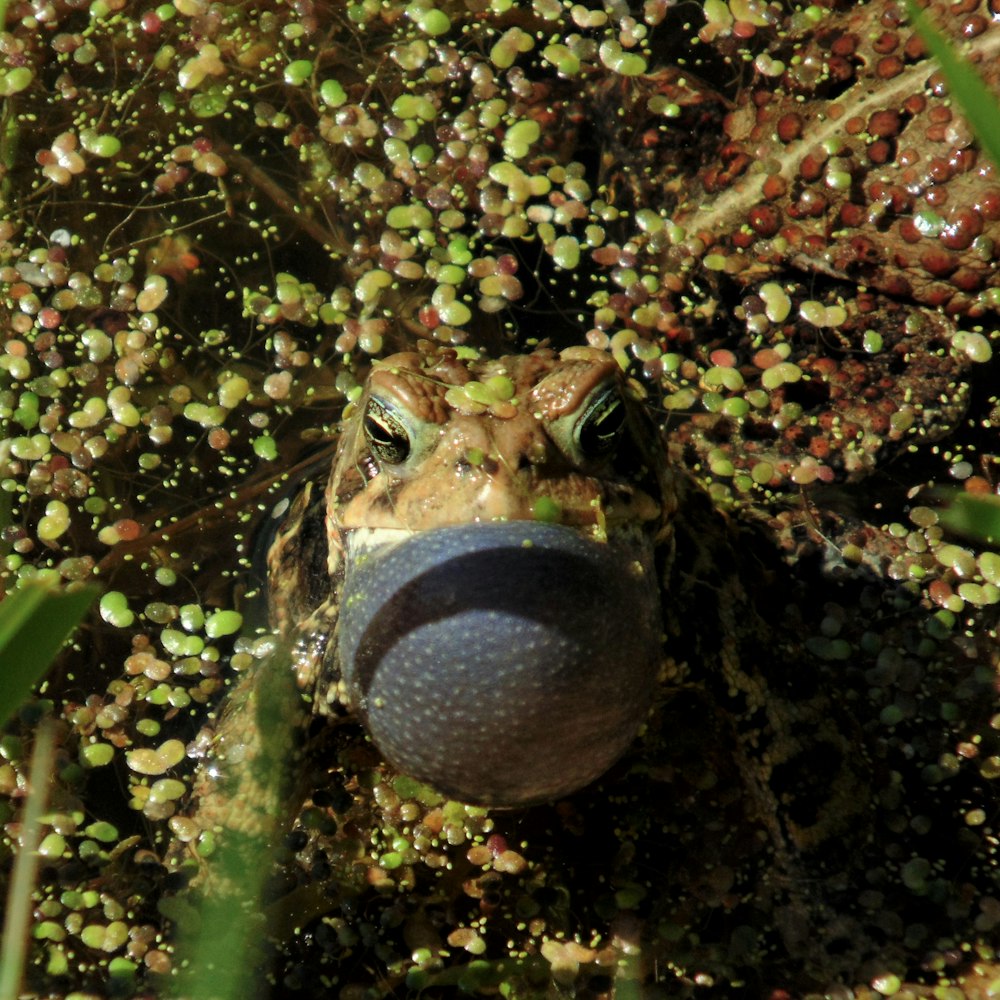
[
  {"x": 115, "y": 610},
  {"x": 223, "y": 623},
  {"x": 154, "y": 761},
  {"x": 156, "y": 355}
]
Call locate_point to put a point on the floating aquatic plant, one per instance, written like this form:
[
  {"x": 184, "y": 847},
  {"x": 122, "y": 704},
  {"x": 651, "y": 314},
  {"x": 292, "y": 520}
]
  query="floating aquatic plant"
[{"x": 213, "y": 219}]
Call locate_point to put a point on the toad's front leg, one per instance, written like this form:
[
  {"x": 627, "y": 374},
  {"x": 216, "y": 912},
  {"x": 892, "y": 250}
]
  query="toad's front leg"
[{"x": 252, "y": 778}]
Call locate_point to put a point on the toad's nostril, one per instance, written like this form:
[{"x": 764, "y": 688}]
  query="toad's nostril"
[{"x": 501, "y": 663}]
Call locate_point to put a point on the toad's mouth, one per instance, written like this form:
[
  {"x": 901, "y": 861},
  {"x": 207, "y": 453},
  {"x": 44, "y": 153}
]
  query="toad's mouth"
[{"x": 502, "y": 663}]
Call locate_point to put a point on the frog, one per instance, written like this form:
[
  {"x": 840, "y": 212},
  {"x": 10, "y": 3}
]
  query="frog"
[
  {"x": 476, "y": 574},
  {"x": 483, "y": 577},
  {"x": 495, "y": 531}
]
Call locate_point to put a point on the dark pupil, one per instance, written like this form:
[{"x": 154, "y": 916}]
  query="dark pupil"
[
  {"x": 602, "y": 424},
  {"x": 386, "y": 434}
]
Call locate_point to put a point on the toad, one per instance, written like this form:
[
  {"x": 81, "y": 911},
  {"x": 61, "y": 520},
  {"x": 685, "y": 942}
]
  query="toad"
[{"x": 478, "y": 580}]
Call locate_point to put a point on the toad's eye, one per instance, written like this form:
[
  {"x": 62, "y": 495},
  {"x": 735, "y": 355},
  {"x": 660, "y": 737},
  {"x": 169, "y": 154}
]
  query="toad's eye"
[
  {"x": 601, "y": 424},
  {"x": 386, "y": 434}
]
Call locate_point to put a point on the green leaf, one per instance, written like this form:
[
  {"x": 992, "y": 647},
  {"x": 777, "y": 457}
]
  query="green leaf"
[
  {"x": 973, "y": 515},
  {"x": 978, "y": 102},
  {"x": 18, "y": 908},
  {"x": 35, "y": 621}
]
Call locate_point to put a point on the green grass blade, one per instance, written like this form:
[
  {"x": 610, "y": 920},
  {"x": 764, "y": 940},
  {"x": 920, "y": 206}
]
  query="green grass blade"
[
  {"x": 222, "y": 938},
  {"x": 17, "y": 914},
  {"x": 34, "y": 623},
  {"x": 975, "y": 516},
  {"x": 977, "y": 101}
]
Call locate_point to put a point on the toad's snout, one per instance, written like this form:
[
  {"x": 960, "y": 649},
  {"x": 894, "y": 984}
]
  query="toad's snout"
[{"x": 502, "y": 663}]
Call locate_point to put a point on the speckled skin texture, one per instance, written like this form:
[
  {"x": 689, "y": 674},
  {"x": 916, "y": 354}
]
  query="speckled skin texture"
[{"x": 502, "y": 663}]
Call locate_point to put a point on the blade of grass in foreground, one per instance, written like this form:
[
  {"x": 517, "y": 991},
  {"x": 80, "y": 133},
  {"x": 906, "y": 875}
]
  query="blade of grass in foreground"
[
  {"x": 974, "y": 516},
  {"x": 978, "y": 102},
  {"x": 34, "y": 623},
  {"x": 222, "y": 923},
  {"x": 17, "y": 915}
]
